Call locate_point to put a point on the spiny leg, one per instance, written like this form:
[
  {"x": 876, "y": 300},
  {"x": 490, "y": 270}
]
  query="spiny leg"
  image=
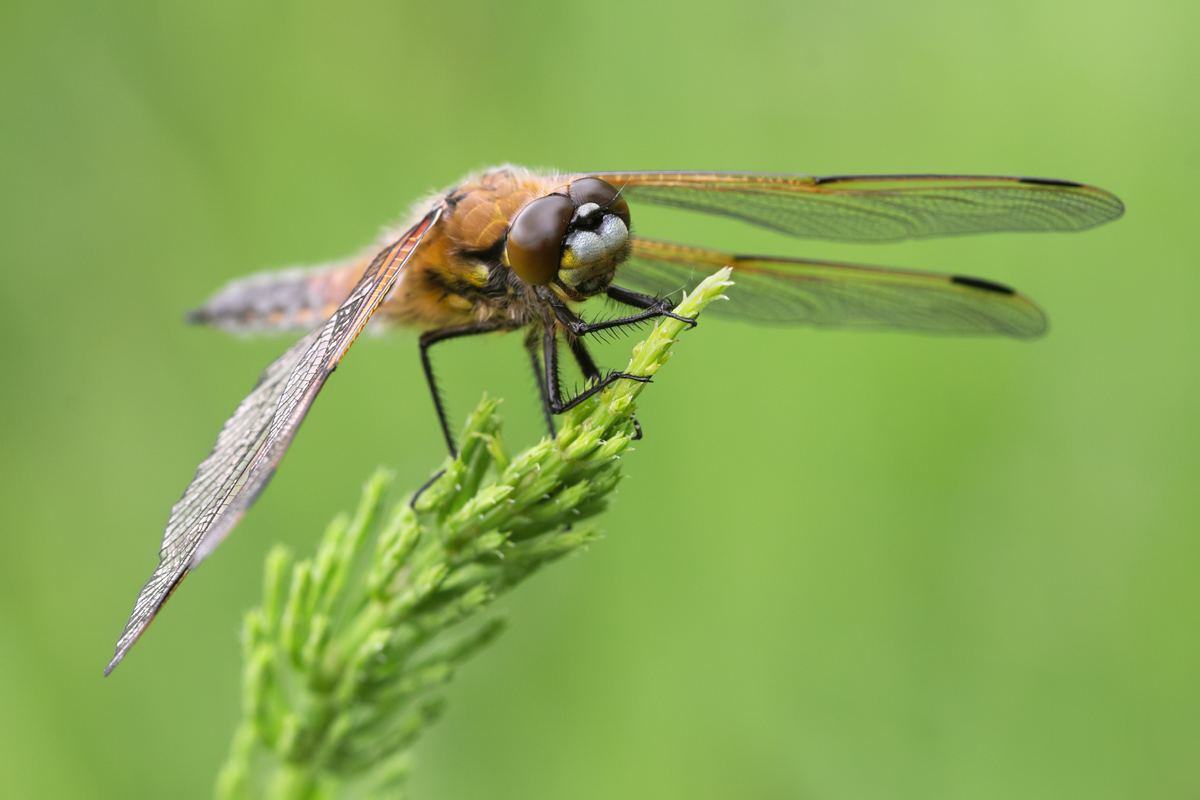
[
  {"x": 591, "y": 372},
  {"x": 531, "y": 346},
  {"x": 428, "y": 340},
  {"x": 587, "y": 365},
  {"x": 637, "y": 299},
  {"x": 554, "y": 386},
  {"x": 651, "y": 307}
]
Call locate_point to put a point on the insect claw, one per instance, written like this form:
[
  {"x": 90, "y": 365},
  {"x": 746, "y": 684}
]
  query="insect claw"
[{"x": 667, "y": 310}]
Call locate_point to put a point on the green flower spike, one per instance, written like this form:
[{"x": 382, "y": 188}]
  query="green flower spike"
[{"x": 345, "y": 658}]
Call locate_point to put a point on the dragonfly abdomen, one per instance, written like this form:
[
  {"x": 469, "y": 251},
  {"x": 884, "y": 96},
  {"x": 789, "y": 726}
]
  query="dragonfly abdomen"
[{"x": 290, "y": 299}]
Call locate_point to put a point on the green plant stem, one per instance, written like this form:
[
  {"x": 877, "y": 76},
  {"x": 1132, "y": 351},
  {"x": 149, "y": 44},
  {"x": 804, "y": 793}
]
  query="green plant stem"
[{"x": 346, "y": 655}]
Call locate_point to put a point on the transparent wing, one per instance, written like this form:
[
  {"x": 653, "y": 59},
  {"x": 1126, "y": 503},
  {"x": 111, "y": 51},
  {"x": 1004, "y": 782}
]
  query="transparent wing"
[
  {"x": 253, "y": 441},
  {"x": 876, "y": 208},
  {"x": 827, "y": 294}
]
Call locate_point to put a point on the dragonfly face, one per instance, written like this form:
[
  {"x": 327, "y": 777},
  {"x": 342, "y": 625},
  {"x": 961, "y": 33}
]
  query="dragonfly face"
[
  {"x": 510, "y": 249},
  {"x": 575, "y": 239}
]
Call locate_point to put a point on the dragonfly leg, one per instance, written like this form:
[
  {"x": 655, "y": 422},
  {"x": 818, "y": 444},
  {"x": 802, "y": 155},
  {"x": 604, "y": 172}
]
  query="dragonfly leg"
[
  {"x": 531, "y": 346},
  {"x": 554, "y": 385},
  {"x": 412, "y": 503},
  {"x": 591, "y": 372},
  {"x": 428, "y": 340},
  {"x": 583, "y": 358},
  {"x": 651, "y": 307}
]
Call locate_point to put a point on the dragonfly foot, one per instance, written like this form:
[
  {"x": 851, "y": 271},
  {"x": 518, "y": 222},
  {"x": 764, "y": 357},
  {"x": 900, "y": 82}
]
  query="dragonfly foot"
[{"x": 413, "y": 502}]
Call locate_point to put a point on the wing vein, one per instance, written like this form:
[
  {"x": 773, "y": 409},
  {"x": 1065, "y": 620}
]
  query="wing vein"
[{"x": 253, "y": 441}]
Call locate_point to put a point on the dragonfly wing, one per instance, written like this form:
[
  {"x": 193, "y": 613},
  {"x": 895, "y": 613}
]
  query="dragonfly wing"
[
  {"x": 827, "y": 294},
  {"x": 254, "y": 440},
  {"x": 876, "y": 208}
]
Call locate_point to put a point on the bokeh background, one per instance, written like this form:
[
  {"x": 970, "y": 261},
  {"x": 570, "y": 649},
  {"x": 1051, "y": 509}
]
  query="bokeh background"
[{"x": 844, "y": 565}]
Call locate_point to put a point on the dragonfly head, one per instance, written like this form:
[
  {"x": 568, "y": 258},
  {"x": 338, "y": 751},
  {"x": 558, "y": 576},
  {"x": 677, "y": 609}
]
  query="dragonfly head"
[{"x": 576, "y": 240}]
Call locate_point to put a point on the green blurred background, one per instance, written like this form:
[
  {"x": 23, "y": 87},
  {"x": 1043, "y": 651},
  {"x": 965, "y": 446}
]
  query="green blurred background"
[{"x": 844, "y": 565}]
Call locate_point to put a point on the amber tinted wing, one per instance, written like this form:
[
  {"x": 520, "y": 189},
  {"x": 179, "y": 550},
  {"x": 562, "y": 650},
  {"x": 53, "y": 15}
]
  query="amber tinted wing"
[
  {"x": 828, "y": 294},
  {"x": 876, "y": 208},
  {"x": 254, "y": 439}
]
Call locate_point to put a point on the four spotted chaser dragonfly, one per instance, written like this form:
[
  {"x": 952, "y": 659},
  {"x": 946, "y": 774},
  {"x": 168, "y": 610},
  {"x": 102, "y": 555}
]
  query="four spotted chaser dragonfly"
[{"x": 510, "y": 249}]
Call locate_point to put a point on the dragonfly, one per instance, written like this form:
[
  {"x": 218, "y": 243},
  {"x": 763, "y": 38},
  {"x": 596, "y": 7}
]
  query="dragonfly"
[{"x": 510, "y": 249}]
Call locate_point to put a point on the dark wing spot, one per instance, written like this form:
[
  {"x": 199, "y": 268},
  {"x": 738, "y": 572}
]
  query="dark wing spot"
[
  {"x": 979, "y": 283},
  {"x": 822, "y": 180},
  {"x": 1050, "y": 182}
]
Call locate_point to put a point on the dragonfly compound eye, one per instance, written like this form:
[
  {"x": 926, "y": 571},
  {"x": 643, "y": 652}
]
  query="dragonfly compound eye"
[
  {"x": 535, "y": 239},
  {"x": 603, "y": 194},
  {"x": 597, "y": 240}
]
